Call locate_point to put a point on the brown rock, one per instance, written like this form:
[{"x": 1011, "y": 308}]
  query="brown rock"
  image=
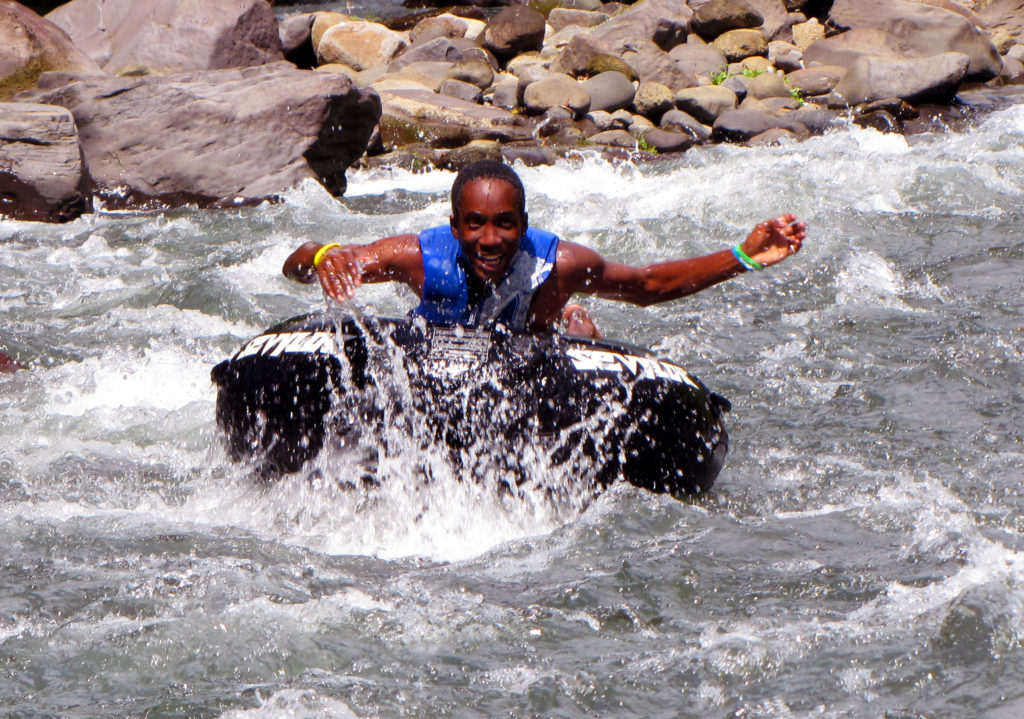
[
  {"x": 652, "y": 100},
  {"x": 445, "y": 25},
  {"x": 662, "y": 22},
  {"x": 653, "y": 64},
  {"x": 556, "y": 91},
  {"x": 706, "y": 103},
  {"x": 561, "y": 17},
  {"x": 738, "y": 44},
  {"x": 30, "y": 46},
  {"x": 665, "y": 141},
  {"x": 698, "y": 60},
  {"x": 514, "y": 30},
  {"x": 742, "y": 125},
  {"x": 167, "y": 36},
  {"x": 360, "y": 45},
  {"x": 719, "y": 16},
  {"x": 817, "y": 80},
  {"x": 324, "y": 21},
  {"x": 927, "y": 79},
  {"x": 807, "y": 32},
  {"x": 420, "y": 116},
  {"x": 475, "y": 72}
]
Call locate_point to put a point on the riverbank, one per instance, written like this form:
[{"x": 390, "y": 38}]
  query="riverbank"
[{"x": 156, "y": 107}]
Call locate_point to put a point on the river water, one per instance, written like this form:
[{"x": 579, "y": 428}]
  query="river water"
[{"x": 861, "y": 555}]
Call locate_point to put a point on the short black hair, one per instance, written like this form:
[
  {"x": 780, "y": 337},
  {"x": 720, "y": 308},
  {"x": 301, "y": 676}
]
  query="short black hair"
[{"x": 487, "y": 170}]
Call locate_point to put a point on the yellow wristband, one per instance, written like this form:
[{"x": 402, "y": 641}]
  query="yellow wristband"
[{"x": 323, "y": 251}]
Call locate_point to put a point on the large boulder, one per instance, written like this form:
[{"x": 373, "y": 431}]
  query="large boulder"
[
  {"x": 609, "y": 91},
  {"x": 846, "y": 48},
  {"x": 927, "y": 30},
  {"x": 922, "y": 79},
  {"x": 41, "y": 173},
  {"x": 217, "y": 137},
  {"x": 663, "y": 22},
  {"x": 652, "y": 64},
  {"x": 168, "y": 36},
  {"x": 30, "y": 46},
  {"x": 1005, "y": 17},
  {"x": 699, "y": 59},
  {"x": 557, "y": 90},
  {"x": 706, "y": 103},
  {"x": 739, "y": 44},
  {"x": 742, "y": 125}
]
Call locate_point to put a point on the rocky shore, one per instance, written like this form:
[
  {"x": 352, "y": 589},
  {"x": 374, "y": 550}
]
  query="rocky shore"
[{"x": 141, "y": 104}]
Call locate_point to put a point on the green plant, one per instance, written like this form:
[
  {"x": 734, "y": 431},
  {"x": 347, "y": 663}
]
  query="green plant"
[
  {"x": 719, "y": 77},
  {"x": 795, "y": 92},
  {"x": 748, "y": 72},
  {"x": 643, "y": 144}
]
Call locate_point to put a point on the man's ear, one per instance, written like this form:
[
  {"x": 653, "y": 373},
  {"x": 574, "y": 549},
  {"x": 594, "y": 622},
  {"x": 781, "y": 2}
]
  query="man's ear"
[{"x": 454, "y": 226}]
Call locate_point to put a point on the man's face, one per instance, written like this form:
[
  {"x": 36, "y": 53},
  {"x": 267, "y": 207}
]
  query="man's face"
[{"x": 489, "y": 227}]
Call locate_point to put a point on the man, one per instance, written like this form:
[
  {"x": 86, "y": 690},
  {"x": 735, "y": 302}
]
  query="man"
[{"x": 489, "y": 265}]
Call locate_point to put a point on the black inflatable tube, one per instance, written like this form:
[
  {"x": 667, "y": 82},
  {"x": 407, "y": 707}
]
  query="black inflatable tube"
[{"x": 612, "y": 410}]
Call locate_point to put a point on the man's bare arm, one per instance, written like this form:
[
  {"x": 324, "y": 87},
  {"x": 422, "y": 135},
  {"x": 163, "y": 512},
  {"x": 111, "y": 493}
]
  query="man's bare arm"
[
  {"x": 770, "y": 242},
  {"x": 342, "y": 269}
]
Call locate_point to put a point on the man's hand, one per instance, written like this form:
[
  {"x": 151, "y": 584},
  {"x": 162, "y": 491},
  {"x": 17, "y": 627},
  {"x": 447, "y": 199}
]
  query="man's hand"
[
  {"x": 339, "y": 273},
  {"x": 774, "y": 240}
]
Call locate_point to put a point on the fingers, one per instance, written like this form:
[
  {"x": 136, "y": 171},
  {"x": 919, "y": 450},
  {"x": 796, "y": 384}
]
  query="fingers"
[{"x": 339, "y": 274}]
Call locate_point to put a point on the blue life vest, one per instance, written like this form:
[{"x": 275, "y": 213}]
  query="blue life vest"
[{"x": 445, "y": 298}]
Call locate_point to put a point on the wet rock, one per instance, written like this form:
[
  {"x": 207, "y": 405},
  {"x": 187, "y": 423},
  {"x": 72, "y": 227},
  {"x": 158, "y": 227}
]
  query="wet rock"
[
  {"x": 556, "y": 91},
  {"x": 916, "y": 80},
  {"x": 679, "y": 121},
  {"x": 773, "y": 137},
  {"x": 1012, "y": 72},
  {"x": 514, "y": 30},
  {"x": 926, "y": 30},
  {"x": 505, "y": 91},
  {"x": 30, "y": 46},
  {"x": 815, "y": 119},
  {"x": 720, "y": 16},
  {"x": 893, "y": 105},
  {"x": 879, "y": 120},
  {"x": 360, "y": 45},
  {"x": 817, "y": 80},
  {"x": 474, "y": 151},
  {"x": 462, "y": 90},
  {"x": 652, "y": 100},
  {"x": 742, "y": 125},
  {"x": 697, "y": 60},
  {"x": 168, "y": 36},
  {"x": 665, "y": 141},
  {"x": 42, "y": 177},
  {"x": 212, "y": 137},
  {"x": 706, "y": 104},
  {"x": 609, "y": 91},
  {"x": 738, "y": 44}
]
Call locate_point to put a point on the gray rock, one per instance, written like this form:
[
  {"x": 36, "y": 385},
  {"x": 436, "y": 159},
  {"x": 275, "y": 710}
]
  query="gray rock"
[
  {"x": 428, "y": 74},
  {"x": 815, "y": 119},
  {"x": 475, "y": 72},
  {"x": 1012, "y": 72},
  {"x": 662, "y": 22},
  {"x": 777, "y": 23},
  {"x": 574, "y": 58},
  {"x": 556, "y": 91},
  {"x": 679, "y": 121},
  {"x": 844, "y": 49},
  {"x": 41, "y": 173},
  {"x": 653, "y": 64},
  {"x": 706, "y": 103},
  {"x": 652, "y": 100},
  {"x": 514, "y": 30},
  {"x": 213, "y": 137},
  {"x": 719, "y": 16},
  {"x": 582, "y": 4},
  {"x": 167, "y": 36},
  {"x": 505, "y": 91},
  {"x": 928, "y": 79},
  {"x": 420, "y": 116},
  {"x": 439, "y": 49},
  {"x": 767, "y": 84},
  {"x": 698, "y": 59},
  {"x": 30, "y": 46},
  {"x": 742, "y": 125},
  {"x": 614, "y": 138},
  {"x": 604, "y": 121},
  {"x": 773, "y": 137},
  {"x": 462, "y": 90},
  {"x": 778, "y": 105},
  {"x": 817, "y": 80},
  {"x": 738, "y": 44},
  {"x": 609, "y": 91},
  {"x": 296, "y": 33},
  {"x": 927, "y": 30}
]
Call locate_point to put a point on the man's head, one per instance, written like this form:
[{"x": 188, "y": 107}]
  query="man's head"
[{"x": 488, "y": 218}]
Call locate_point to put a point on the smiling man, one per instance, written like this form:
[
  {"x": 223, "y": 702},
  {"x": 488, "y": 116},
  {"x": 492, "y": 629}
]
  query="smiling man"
[{"x": 488, "y": 265}]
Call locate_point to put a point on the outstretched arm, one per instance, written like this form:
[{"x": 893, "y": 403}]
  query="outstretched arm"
[
  {"x": 342, "y": 268},
  {"x": 770, "y": 242}
]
